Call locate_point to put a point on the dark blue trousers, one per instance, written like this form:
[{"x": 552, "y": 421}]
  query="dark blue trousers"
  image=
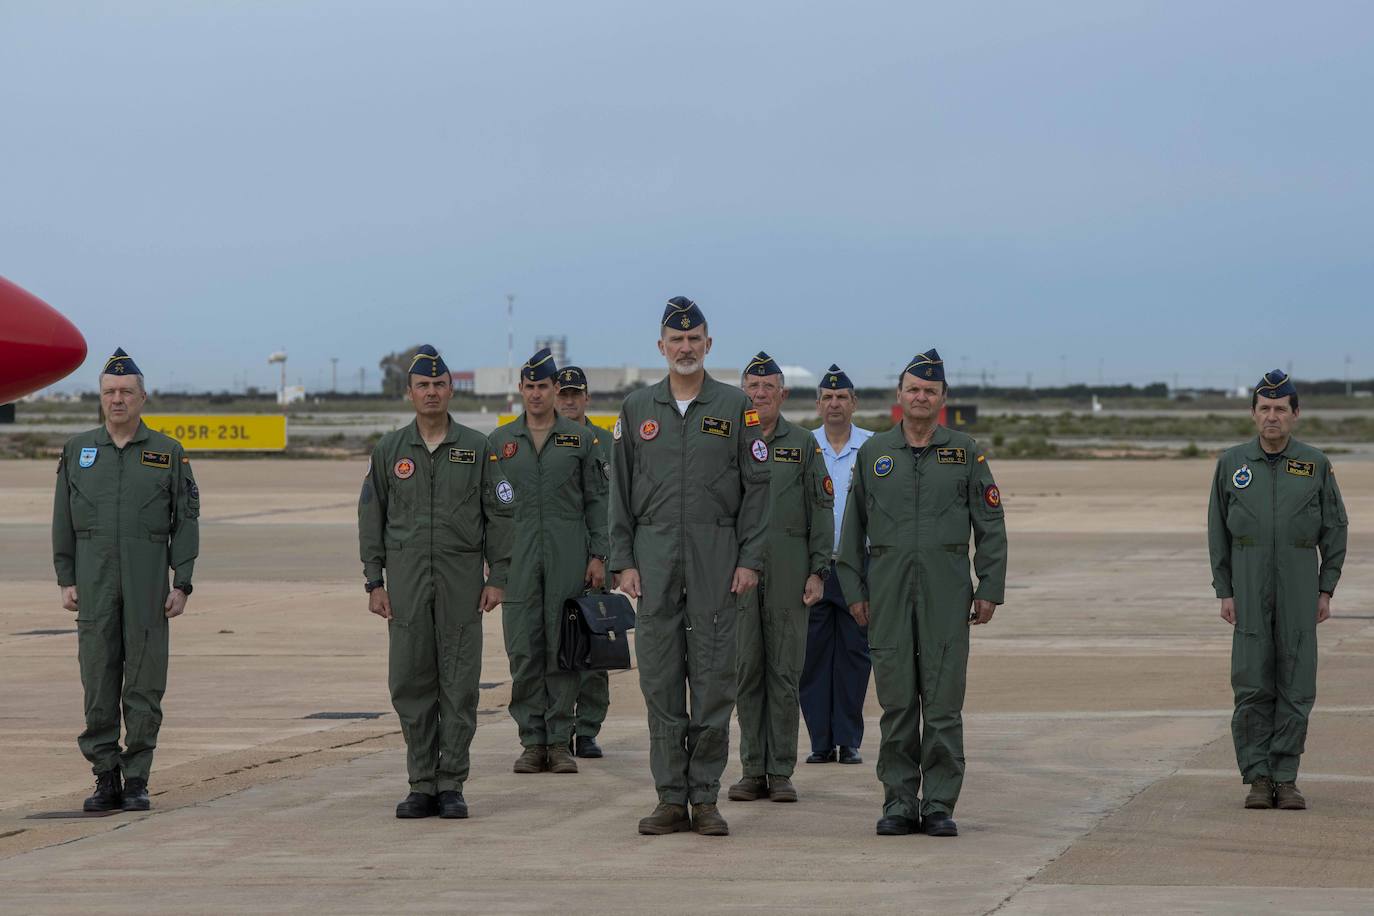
[{"x": 834, "y": 679}]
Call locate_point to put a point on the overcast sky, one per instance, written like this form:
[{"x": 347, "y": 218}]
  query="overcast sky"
[{"x": 1140, "y": 190}]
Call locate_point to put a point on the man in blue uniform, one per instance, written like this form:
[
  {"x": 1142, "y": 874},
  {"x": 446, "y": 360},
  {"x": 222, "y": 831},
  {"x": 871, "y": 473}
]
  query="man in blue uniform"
[{"x": 835, "y": 677}]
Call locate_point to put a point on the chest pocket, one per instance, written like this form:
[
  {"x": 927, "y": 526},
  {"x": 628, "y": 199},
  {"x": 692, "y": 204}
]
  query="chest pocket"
[
  {"x": 85, "y": 512},
  {"x": 1307, "y": 521},
  {"x": 884, "y": 528},
  {"x": 155, "y": 512},
  {"x": 1241, "y": 518}
]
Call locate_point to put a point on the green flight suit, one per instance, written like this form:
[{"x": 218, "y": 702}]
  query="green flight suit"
[
  {"x": 594, "y": 690},
  {"x": 689, "y": 499},
  {"x": 121, "y": 518},
  {"x": 915, "y": 517},
  {"x": 560, "y": 521},
  {"x": 773, "y": 619},
  {"x": 1265, "y": 526},
  {"x": 429, "y": 519}
]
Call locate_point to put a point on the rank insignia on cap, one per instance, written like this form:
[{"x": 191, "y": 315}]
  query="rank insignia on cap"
[
  {"x": 835, "y": 379},
  {"x": 403, "y": 469},
  {"x": 992, "y": 496},
  {"x": 883, "y": 466},
  {"x": 462, "y": 456},
  {"x": 751, "y": 417},
  {"x": 828, "y": 485},
  {"x": 759, "y": 449},
  {"x": 505, "y": 492},
  {"x": 1241, "y": 478},
  {"x": 87, "y": 457},
  {"x": 121, "y": 363},
  {"x": 509, "y": 449},
  {"x": 648, "y": 430}
]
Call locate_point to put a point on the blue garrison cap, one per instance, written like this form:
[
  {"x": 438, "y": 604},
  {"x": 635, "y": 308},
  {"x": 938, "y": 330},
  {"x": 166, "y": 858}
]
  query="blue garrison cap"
[
  {"x": 835, "y": 379},
  {"x": 682, "y": 314},
  {"x": 762, "y": 365},
  {"x": 539, "y": 366},
  {"x": 928, "y": 366},
  {"x": 1275, "y": 384},
  {"x": 121, "y": 363},
  {"x": 572, "y": 377},
  {"x": 427, "y": 362}
]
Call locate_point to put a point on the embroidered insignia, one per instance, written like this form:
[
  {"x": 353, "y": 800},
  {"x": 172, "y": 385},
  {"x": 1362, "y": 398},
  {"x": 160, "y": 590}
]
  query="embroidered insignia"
[
  {"x": 716, "y": 426},
  {"x": 686, "y": 322},
  {"x": 194, "y": 490},
  {"x": 462, "y": 456},
  {"x": 982, "y": 458},
  {"x": 828, "y": 485},
  {"x": 615, "y": 430},
  {"x": 759, "y": 449},
  {"x": 883, "y": 466},
  {"x": 751, "y": 417},
  {"x": 787, "y": 455},
  {"x": 157, "y": 459},
  {"x": 992, "y": 496},
  {"x": 1301, "y": 468},
  {"x": 509, "y": 449},
  {"x": 505, "y": 492},
  {"x": 87, "y": 457},
  {"x": 648, "y": 430},
  {"x": 404, "y": 468},
  {"x": 1242, "y": 477},
  {"x": 951, "y": 456},
  {"x": 568, "y": 440}
]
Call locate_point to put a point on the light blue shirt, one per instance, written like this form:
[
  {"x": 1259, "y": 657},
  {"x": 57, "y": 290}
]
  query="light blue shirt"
[{"x": 841, "y": 468}]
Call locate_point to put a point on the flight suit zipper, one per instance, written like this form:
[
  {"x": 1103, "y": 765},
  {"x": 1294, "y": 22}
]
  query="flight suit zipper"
[{"x": 1274, "y": 541}]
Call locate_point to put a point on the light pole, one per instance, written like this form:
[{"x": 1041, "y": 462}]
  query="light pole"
[{"x": 280, "y": 357}]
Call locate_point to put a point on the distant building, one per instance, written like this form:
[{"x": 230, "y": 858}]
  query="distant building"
[
  {"x": 464, "y": 381},
  {"x": 557, "y": 344},
  {"x": 493, "y": 380}
]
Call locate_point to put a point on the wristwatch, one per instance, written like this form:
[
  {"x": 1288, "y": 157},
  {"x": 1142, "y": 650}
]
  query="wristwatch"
[
  {"x": 598, "y": 556},
  {"x": 823, "y": 573},
  {"x": 184, "y": 588},
  {"x": 373, "y": 583}
]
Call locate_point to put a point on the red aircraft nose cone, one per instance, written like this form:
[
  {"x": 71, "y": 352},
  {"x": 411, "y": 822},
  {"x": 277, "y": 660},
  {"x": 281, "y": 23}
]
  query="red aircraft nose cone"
[{"x": 37, "y": 345}]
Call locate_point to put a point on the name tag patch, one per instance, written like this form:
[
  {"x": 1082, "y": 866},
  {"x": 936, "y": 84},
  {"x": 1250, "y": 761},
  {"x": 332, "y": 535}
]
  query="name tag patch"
[
  {"x": 951, "y": 456},
  {"x": 568, "y": 440},
  {"x": 462, "y": 456},
  {"x": 716, "y": 426},
  {"x": 1301, "y": 468},
  {"x": 789, "y": 455},
  {"x": 157, "y": 459}
]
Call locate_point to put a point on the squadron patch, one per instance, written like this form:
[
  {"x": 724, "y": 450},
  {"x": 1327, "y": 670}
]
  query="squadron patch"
[
  {"x": 828, "y": 486},
  {"x": 716, "y": 426},
  {"x": 992, "y": 496},
  {"x": 759, "y": 449},
  {"x": 567, "y": 440},
  {"x": 951, "y": 456},
  {"x": 615, "y": 432},
  {"x": 883, "y": 466},
  {"x": 87, "y": 457},
  {"x": 157, "y": 459},
  {"x": 509, "y": 449},
  {"x": 193, "y": 490},
  {"x": 751, "y": 417},
  {"x": 648, "y": 430},
  {"x": 462, "y": 456},
  {"x": 787, "y": 455},
  {"x": 1242, "y": 477},
  {"x": 1301, "y": 468},
  {"x": 505, "y": 492},
  {"x": 403, "y": 469}
]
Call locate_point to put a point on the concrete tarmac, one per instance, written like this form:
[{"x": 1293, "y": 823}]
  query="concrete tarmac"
[{"x": 1100, "y": 776}]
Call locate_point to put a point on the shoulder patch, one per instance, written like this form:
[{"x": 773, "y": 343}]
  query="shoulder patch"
[
  {"x": 157, "y": 459},
  {"x": 751, "y": 417},
  {"x": 615, "y": 431},
  {"x": 1301, "y": 468},
  {"x": 567, "y": 440},
  {"x": 951, "y": 456},
  {"x": 992, "y": 496},
  {"x": 828, "y": 485},
  {"x": 716, "y": 426},
  {"x": 462, "y": 455}
]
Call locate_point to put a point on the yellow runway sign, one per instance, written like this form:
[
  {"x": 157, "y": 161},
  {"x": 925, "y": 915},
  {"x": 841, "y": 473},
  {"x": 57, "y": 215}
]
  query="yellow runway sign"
[
  {"x": 217, "y": 432},
  {"x": 604, "y": 420}
]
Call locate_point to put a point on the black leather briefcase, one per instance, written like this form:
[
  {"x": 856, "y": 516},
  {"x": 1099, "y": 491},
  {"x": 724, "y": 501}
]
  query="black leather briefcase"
[{"x": 592, "y": 634}]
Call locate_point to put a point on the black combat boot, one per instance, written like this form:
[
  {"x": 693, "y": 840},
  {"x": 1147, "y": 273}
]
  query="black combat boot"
[
  {"x": 136, "y": 794},
  {"x": 109, "y": 795}
]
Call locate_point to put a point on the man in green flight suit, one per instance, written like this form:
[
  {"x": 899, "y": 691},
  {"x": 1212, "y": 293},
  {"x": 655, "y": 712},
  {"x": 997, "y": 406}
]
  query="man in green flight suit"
[
  {"x": 773, "y": 617},
  {"x": 434, "y": 503},
  {"x": 594, "y": 687},
  {"x": 126, "y": 511},
  {"x": 917, "y": 490},
  {"x": 560, "y": 549},
  {"x": 1274, "y": 507},
  {"x": 689, "y": 496}
]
